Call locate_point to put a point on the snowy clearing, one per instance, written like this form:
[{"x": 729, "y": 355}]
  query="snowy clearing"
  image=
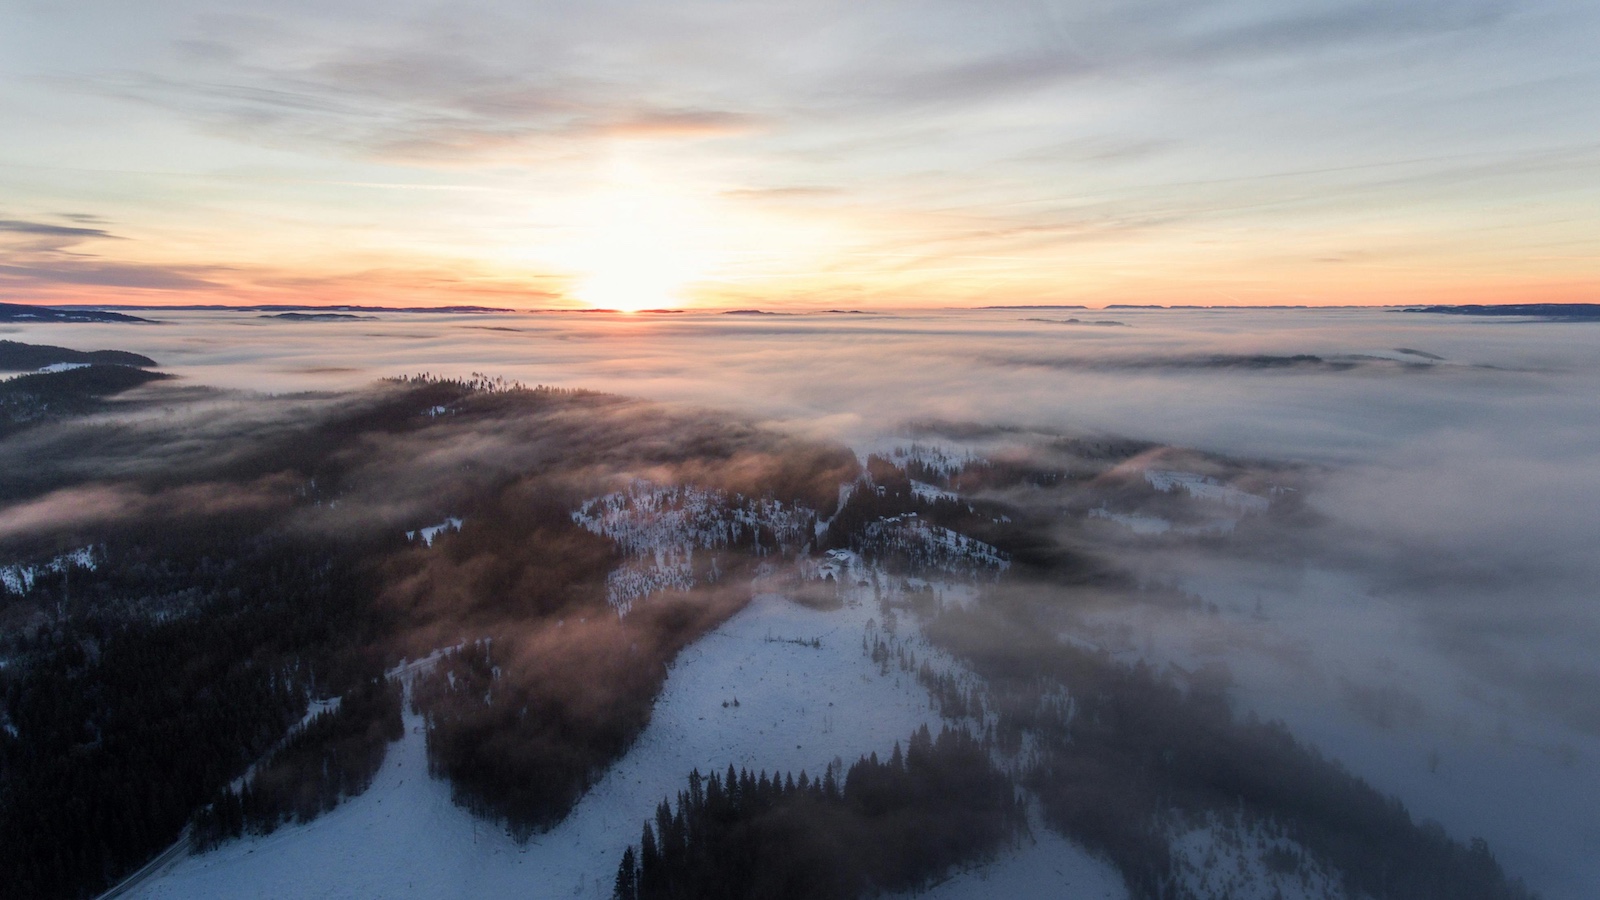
[{"x": 778, "y": 687}]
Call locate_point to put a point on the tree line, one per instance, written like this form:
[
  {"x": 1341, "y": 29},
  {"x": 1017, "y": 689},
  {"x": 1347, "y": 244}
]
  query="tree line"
[
  {"x": 333, "y": 757},
  {"x": 163, "y": 675},
  {"x": 1124, "y": 754},
  {"x": 891, "y": 825},
  {"x": 260, "y": 571}
]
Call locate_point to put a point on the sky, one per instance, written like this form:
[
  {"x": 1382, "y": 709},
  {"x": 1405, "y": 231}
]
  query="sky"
[{"x": 799, "y": 155}]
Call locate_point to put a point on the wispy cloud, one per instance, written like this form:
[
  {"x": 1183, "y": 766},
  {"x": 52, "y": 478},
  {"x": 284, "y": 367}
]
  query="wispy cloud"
[
  {"x": 1110, "y": 144},
  {"x": 45, "y": 229},
  {"x": 42, "y": 256},
  {"x": 101, "y": 274}
]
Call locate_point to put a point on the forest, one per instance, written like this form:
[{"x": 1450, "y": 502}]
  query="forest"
[
  {"x": 332, "y": 757},
  {"x": 519, "y": 750},
  {"x": 168, "y": 669},
  {"x": 1121, "y": 756},
  {"x": 239, "y": 571},
  {"x": 893, "y": 825},
  {"x": 16, "y": 356},
  {"x": 200, "y": 582},
  {"x": 27, "y": 400},
  {"x": 1125, "y": 756}
]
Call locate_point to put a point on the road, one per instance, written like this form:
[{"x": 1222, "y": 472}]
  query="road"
[
  {"x": 178, "y": 850},
  {"x": 180, "y": 847}
]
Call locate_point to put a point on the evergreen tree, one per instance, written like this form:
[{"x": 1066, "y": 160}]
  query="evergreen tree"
[{"x": 627, "y": 887}]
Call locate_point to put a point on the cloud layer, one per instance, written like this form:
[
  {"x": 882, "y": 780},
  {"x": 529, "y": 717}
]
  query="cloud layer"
[{"x": 814, "y": 154}]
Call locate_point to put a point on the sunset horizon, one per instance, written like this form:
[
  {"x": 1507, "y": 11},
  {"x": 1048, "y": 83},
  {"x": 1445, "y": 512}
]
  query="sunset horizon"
[
  {"x": 799, "y": 450},
  {"x": 608, "y": 157}
]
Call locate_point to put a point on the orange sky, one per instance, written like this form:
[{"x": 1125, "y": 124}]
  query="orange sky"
[{"x": 805, "y": 155}]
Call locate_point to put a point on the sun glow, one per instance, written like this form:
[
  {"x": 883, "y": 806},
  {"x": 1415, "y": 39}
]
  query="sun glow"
[
  {"x": 640, "y": 246},
  {"x": 650, "y": 233}
]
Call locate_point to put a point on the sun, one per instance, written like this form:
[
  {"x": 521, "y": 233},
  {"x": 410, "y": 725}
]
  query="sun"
[
  {"x": 647, "y": 233},
  {"x": 640, "y": 245}
]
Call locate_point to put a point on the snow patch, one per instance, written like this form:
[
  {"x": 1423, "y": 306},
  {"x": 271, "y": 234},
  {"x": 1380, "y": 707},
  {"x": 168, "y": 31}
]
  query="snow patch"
[
  {"x": 1153, "y": 525},
  {"x": 930, "y": 492},
  {"x": 659, "y": 527},
  {"x": 1249, "y": 863},
  {"x": 945, "y": 459},
  {"x": 1135, "y": 523},
  {"x": 1204, "y": 487},
  {"x": 935, "y": 547}
]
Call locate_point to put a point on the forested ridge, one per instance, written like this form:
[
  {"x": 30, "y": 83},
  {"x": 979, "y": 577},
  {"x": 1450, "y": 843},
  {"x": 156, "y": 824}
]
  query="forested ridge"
[
  {"x": 190, "y": 597},
  {"x": 243, "y": 572},
  {"x": 123, "y": 721},
  {"x": 28, "y": 400},
  {"x": 16, "y": 356},
  {"x": 332, "y": 757},
  {"x": 1123, "y": 757},
  {"x": 891, "y": 825}
]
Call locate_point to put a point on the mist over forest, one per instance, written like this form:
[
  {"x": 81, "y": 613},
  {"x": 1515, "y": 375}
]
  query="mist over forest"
[{"x": 1206, "y": 603}]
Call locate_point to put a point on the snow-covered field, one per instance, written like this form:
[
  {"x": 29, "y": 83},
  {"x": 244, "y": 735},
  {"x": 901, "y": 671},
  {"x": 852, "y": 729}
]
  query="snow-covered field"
[
  {"x": 931, "y": 492},
  {"x": 757, "y": 693},
  {"x": 1218, "y": 860}
]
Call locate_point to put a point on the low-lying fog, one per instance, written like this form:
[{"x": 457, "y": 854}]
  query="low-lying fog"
[{"x": 1439, "y": 632}]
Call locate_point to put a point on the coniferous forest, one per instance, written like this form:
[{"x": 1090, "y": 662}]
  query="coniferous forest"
[
  {"x": 127, "y": 720},
  {"x": 202, "y": 641},
  {"x": 1134, "y": 754},
  {"x": 333, "y": 756},
  {"x": 158, "y": 655},
  {"x": 891, "y": 825}
]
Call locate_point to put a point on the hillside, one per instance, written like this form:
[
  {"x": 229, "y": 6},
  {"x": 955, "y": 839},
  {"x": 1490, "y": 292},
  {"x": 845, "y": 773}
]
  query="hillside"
[
  {"x": 16, "y": 356},
  {"x": 19, "y": 312}
]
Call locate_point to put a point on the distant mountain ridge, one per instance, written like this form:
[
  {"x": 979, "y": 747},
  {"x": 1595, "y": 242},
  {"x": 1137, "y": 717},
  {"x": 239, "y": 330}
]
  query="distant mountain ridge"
[
  {"x": 21, "y": 312},
  {"x": 290, "y": 307},
  {"x": 1541, "y": 310},
  {"x": 316, "y": 317},
  {"x": 16, "y": 356}
]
